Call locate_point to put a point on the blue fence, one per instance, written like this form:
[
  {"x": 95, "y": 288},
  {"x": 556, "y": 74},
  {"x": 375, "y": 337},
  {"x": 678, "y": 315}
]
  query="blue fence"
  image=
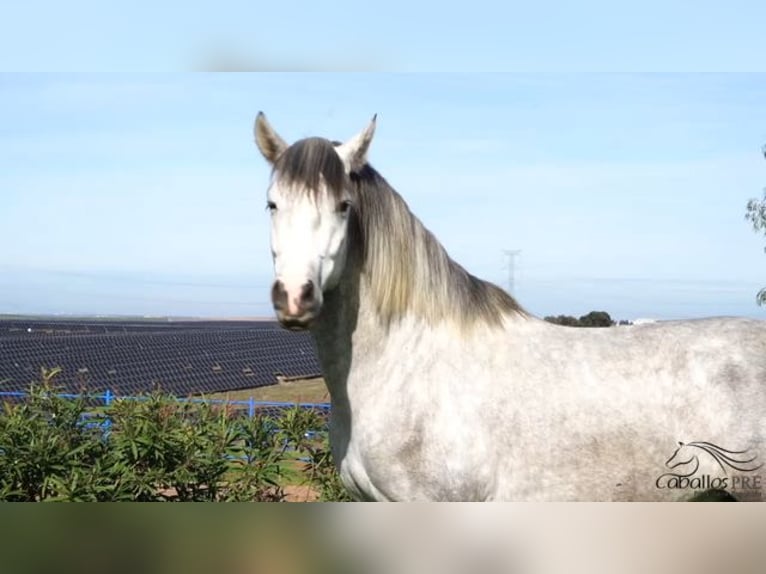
[{"x": 253, "y": 407}]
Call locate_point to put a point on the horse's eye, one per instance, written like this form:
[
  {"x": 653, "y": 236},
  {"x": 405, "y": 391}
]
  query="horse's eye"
[
  {"x": 344, "y": 206},
  {"x": 271, "y": 206}
]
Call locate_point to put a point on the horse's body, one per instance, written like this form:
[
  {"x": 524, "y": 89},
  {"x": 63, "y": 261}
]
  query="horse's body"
[
  {"x": 443, "y": 388},
  {"x": 536, "y": 411}
]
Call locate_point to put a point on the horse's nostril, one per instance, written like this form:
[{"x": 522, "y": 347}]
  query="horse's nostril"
[
  {"x": 307, "y": 292},
  {"x": 278, "y": 295}
]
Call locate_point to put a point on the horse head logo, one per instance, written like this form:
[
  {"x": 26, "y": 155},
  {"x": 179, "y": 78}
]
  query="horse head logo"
[{"x": 687, "y": 456}]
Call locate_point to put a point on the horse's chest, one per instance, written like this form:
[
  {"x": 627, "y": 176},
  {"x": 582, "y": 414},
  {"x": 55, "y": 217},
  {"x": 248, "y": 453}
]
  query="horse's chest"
[{"x": 412, "y": 463}]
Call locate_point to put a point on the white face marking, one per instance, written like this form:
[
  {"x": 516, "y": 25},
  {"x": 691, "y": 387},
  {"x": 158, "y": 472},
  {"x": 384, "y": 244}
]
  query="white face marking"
[{"x": 307, "y": 240}]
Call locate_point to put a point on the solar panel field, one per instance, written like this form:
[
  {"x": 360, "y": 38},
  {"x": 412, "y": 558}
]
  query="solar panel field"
[{"x": 134, "y": 357}]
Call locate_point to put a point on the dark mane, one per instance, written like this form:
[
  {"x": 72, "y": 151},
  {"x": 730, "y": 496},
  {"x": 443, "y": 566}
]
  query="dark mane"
[
  {"x": 409, "y": 269},
  {"x": 308, "y": 162}
]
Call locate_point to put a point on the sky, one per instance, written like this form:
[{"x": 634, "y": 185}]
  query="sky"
[
  {"x": 396, "y": 35},
  {"x": 144, "y": 194}
]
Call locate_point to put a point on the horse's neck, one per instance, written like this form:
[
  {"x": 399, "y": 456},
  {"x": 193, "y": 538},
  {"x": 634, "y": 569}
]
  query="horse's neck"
[
  {"x": 333, "y": 335},
  {"x": 347, "y": 330}
]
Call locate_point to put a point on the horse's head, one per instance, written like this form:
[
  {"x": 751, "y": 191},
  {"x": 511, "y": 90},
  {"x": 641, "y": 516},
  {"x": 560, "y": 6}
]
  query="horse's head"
[
  {"x": 311, "y": 202},
  {"x": 683, "y": 455}
]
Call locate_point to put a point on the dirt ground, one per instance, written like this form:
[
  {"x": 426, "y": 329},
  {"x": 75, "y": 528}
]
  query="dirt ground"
[{"x": 300, "y": 493}]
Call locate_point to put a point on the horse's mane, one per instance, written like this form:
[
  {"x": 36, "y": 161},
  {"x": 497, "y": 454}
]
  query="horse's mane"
[
  {"x": 405, "y": 267},
  {"x": 723, "y": 456}
]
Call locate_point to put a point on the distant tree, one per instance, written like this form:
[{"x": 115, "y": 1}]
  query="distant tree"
[
  {"x": 625, "y": 322},
  {"x": 592, "y": 319},
  {"x": 756, "y": 214},
  {"x": 596, "y": 319}
]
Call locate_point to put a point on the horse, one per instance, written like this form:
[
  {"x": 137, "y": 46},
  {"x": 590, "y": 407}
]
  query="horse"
[{"x": 444, "y": 388}]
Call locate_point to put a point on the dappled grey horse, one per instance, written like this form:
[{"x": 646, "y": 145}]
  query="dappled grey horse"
[{"x": 444, "y": 388}]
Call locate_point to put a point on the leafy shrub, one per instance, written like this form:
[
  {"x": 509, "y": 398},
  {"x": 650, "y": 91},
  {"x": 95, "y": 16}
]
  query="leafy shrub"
[
  {"x": 155, "y": 448},
  {"x": 46, "y": 445},
  {"x": 319, "y": 467}
]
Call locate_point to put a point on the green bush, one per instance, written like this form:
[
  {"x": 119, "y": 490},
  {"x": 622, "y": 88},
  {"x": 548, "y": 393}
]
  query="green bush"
[
  {"x": 156, "y": 448},
  {"x": 319, "y": 467}
]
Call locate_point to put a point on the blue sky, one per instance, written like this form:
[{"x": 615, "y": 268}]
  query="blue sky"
[
  {"x": 396, "y": 35},
  {"x": 144, "y": 193}
]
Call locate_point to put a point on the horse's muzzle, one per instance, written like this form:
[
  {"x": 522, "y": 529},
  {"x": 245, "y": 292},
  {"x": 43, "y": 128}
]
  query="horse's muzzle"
[{"x": 295, "y": 312}]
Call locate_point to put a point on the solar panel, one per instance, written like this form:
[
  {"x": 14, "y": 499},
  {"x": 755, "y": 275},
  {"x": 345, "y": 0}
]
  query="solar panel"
[{"x": 131, "y": 358}]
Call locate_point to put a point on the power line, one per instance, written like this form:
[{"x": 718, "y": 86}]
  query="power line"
[{"x": 511, "y": 254}]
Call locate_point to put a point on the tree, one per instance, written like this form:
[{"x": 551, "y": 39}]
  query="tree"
[
  {"x": 596, "y": 319},
  {"x": 756, "y": 214},
  {"x": 592, "y": 319}
]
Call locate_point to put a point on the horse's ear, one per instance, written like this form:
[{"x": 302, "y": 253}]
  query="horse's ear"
[
  {"x": 354, "y": 151},
  {"x": 267, "y": 140}
]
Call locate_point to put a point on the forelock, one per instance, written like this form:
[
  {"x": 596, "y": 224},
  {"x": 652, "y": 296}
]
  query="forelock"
[{"x": 308, "y": 163}]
